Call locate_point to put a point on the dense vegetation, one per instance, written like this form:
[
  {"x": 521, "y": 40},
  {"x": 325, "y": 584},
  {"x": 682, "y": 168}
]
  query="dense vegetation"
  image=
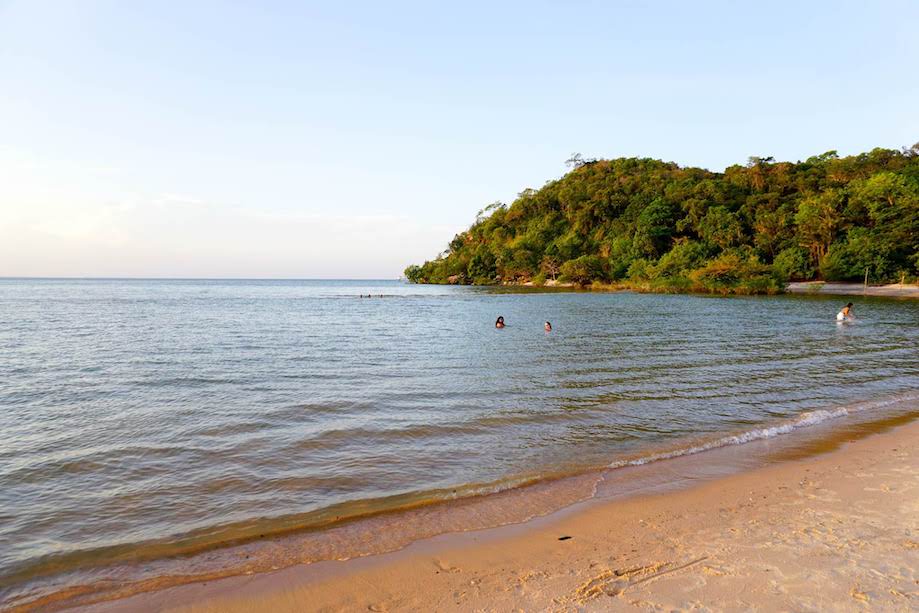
[{"x": 657, "y": 226}]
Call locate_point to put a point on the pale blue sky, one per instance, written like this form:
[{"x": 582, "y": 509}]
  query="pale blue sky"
[{"x": 338, "y": 139}]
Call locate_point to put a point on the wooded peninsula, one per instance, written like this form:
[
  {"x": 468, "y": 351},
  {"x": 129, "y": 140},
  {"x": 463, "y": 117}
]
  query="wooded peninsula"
[{"x": 651, "y": 225}]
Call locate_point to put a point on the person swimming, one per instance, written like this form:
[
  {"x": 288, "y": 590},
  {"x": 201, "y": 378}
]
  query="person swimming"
[
  {"x": 499, "y": 323},
  {"x": 845, "y": 314},
  {"x": 548, "y": 327}
]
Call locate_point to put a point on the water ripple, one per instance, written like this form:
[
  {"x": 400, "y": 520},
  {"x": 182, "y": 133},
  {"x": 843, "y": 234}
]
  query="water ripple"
[{"x": 141, "y": 411}]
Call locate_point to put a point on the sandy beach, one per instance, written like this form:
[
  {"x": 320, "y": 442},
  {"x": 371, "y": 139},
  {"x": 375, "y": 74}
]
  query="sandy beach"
[
  {"x": 835, "y": 531},
  {"x": 894, "y": 290},
  {"x": 517, "y": 307}
]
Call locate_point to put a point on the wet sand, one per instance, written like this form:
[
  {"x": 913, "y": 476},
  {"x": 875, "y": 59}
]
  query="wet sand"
[
  {"x": 894, "y": 290},
  {"x": 835, "y": 531}
]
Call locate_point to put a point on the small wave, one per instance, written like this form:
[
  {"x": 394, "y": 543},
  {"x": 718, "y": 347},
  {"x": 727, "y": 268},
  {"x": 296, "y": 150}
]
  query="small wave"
[
  {"x": 180, "y": 382},
  {"x": 809, "y": 418}
]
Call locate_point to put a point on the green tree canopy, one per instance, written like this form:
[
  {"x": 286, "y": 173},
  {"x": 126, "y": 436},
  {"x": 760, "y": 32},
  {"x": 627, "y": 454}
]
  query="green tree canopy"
[{"x": 658, "y": 225}]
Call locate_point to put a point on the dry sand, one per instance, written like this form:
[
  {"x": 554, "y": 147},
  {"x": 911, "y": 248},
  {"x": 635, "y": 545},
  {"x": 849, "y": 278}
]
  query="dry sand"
[
  {"x": 894, "y": 290},
  {"x": 834, "y": 532}
]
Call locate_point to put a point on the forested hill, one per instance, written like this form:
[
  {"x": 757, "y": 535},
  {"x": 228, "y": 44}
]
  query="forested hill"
[{"x": 656, "y": 225}]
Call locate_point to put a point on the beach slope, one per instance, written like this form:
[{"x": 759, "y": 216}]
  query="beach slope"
[{"x": 836, "y": 531}]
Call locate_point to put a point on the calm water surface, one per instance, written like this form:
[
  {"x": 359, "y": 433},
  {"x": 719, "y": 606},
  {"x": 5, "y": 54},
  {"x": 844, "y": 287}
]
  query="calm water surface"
[{"x": 162, "y": 411}]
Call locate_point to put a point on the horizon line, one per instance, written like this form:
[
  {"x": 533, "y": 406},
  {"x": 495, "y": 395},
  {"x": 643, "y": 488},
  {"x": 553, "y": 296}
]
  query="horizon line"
[{"x": 113, "y": 278}]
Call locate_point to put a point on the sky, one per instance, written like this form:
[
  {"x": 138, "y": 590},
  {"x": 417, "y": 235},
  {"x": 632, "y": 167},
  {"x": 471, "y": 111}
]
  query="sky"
[{"x": 350, "y": 139}]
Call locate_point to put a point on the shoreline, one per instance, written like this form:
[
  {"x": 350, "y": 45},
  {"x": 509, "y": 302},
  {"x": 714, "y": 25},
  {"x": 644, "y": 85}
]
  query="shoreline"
[
  {"x": 806, "y": 288},
  {"x": 451, "y": 559},
  {"x": 152, "y": 567},
  {"x": 893, "y": 290}
]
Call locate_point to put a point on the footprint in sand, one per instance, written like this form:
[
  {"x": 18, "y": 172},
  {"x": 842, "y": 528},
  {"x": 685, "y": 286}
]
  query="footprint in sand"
[
  {"x": 530, "y": 575},
  {"x": 615, "y": 582},
  {"x": 445, "y": 567},
  {"x": 857, "y": 595},
  {"x": 711, "y": 570}
]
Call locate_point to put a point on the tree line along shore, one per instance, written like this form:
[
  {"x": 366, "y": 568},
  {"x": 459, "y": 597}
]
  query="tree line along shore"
[{"x": 649, "y": 225}]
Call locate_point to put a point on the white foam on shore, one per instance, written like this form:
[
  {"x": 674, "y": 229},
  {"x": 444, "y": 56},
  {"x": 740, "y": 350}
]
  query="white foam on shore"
[{"x": 809, "y": 418}]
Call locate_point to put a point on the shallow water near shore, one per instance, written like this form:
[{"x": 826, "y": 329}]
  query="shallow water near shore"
[{"x": 145, "y": 420}]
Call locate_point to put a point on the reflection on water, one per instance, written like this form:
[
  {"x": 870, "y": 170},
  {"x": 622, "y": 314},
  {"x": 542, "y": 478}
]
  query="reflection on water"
[{"x": 183, "y": 414}]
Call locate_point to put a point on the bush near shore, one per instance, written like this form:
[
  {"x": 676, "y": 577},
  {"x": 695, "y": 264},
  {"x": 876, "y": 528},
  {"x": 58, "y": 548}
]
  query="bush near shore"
[{"x": 656, "y": 226}]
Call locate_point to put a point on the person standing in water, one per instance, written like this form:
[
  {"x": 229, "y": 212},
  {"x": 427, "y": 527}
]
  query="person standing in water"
[
  {"x": 500, "y": 322},
  {"x": 548, "y": 327},
  {"x": 846, "y": 313}
]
